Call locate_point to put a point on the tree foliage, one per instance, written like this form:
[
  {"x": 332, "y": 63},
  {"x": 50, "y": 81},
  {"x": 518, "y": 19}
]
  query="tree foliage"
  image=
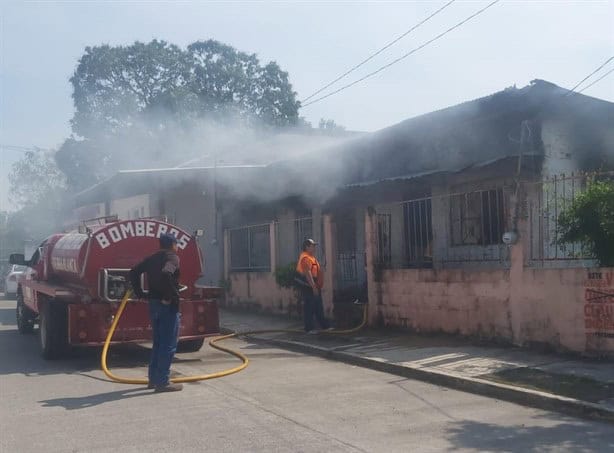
[
  {"x": 589, "y": 220},
  {"x": 330, "y": 126},
  {"x": 35, "y": 178},
  {"x": 38, "y": 188},
  {"x": 113, "y": 86},
  {"x": 145, "y": 96}
]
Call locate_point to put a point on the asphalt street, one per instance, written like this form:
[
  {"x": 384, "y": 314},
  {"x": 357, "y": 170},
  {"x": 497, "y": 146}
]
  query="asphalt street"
[{"x": 283, "y": 402}]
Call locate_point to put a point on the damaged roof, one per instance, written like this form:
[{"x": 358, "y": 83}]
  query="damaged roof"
[{"x": 488, "y": 129}]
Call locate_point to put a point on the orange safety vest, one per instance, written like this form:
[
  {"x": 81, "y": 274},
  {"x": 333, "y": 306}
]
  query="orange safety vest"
[{"x": 307, "y": 263}]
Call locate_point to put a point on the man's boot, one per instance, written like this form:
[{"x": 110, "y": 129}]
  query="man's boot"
[{"x": 169, "y": 388}]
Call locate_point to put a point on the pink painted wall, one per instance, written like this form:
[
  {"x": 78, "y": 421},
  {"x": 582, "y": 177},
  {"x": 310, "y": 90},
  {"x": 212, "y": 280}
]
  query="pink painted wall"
[
  {"x": 259, "y": 290},
  {"x": 453, "y": 301},
  {"x": 546, "y": 306}
]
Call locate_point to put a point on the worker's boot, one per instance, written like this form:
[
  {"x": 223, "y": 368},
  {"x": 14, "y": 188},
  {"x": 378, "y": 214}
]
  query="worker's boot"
[{"x": 169, "y": 388}]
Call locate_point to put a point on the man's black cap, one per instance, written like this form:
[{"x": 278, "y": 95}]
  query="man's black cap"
[{"x": 167, "y": 240}]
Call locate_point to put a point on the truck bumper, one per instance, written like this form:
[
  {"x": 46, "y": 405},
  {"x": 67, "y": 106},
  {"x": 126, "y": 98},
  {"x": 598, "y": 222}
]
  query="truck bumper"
[{"x": 89, "y": 324}]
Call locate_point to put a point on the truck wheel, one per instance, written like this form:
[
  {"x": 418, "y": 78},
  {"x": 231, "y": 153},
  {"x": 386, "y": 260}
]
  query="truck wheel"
[
  {"x": 53, "y": 330},
  {"x": 190, "y": 345},
  {"x": 25, "y": 316}
]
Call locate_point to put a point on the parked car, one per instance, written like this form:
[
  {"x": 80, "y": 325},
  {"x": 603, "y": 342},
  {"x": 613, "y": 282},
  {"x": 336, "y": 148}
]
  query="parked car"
[{"x": 10, "y": 281}]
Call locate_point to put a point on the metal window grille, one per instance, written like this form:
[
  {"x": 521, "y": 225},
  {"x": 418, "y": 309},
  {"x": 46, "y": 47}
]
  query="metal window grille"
[
  {"x": 384, "y": 238},
  {"x": 289, "y": 238},
  {"x": 250, "y": 249},
  {"x": 347, "y": 267},
  {"x": 418, "y": 223},
  {"x": 477, "y": 218},
  {"x": 547, "y": 200}
]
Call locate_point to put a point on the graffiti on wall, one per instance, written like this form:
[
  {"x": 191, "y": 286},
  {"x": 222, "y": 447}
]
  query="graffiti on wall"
[{"x": 599, "y": 304}]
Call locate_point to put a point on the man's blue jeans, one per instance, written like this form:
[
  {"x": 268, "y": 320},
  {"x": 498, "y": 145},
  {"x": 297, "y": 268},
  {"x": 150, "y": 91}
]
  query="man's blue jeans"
[
  {"x": 313, "y": 307},
  {"x": 165, "y": 329}
]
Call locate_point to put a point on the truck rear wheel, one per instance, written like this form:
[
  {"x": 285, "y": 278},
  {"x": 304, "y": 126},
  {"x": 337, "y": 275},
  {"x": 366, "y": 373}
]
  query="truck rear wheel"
[
  {"x": 190, "y": 345},
  {"x": 53, "y": 330},
  {"x": 25, "y": 316}
]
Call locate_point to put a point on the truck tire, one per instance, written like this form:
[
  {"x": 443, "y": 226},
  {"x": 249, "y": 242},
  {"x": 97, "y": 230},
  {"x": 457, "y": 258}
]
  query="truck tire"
[
  {"x": 53, "y": 330},
  {"x": 25, "y": 317},
  {"x": 190, "y": 345}
]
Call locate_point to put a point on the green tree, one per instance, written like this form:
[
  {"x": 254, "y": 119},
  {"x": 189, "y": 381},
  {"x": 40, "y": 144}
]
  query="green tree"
[
  {"x": 113, "y": 86},
  {"x": 134, "y": 103},
  {"x": 330, "y": 126},
  {"x": 589, "y": 220},
  {"x": 38, "y": 188},
  {"x": 36, "y": 178},
  {"x": 228, "y": 81}
]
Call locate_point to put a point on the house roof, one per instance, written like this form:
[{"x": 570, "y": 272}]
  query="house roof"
[
  {"x": 468, "y": 135},
  {"x": 268, "y": 148},
  {"x": 127, "y": 183},
  {"x": 231, "y": 163},
  {"x": 462, "y": 136}
]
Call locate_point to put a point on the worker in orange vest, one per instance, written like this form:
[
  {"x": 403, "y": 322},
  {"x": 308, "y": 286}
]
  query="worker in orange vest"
[{"x": 310, "y": 271}]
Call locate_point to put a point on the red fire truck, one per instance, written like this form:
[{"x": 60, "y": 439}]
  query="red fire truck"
[{"x": 74, "y": 282}]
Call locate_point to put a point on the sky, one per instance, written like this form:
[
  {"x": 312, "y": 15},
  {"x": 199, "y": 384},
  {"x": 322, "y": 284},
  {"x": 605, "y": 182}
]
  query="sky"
[{"x": 510, "y": 44}]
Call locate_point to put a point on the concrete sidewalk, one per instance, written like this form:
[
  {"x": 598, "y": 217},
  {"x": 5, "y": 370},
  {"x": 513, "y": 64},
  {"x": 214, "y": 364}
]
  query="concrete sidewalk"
[{"x": 574, "y": 386}]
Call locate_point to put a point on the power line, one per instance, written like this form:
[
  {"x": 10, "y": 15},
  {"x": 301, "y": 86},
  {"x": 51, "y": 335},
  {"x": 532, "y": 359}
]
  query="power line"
[
  {"x": 394, "y": 41},
  {"x": 22, "y": 149},
  {"x": 411, "y": 52},
  {"x": 595, "y": 81},
  {"x": 590, "y": 75}
]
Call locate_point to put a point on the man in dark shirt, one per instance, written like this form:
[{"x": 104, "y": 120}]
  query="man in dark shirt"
[{"x": 162, "y": 269}]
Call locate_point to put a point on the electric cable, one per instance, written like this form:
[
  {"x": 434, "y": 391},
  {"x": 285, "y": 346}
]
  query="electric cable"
[
  {"x": 394, "y": 41},
  {"x": 595, "y": 81},
  {"x": 590, "y": 75},
  {"x": 402, "y": 57}
]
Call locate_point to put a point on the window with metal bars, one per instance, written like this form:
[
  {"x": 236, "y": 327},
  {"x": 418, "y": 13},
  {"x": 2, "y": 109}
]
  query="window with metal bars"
[
  {"x": 250, "y": 249},
  {"x": 418, "y": 233},
  {"x": 477, "y": 218}
]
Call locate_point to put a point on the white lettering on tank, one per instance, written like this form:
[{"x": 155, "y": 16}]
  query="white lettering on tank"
[
  {"x": 182, "y": 243},
  {"x": 139, "y": 228},
  {"x": 64, "y": 264},
  {"x": 161, "y": 230},
  {"x": 149, "y": 230},
  {"x": 115, "y": 234},
  {"x": 126, "y": 229},
  {"x": 102, "y": 239},
  {"x": 118, "y": 232}
]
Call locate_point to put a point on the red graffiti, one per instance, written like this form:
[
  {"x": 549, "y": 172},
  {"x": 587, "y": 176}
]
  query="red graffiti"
[{"x": 599, "y": 303}]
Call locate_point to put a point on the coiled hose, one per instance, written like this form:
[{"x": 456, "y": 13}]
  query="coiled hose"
[{"x": 213, "y": 343}]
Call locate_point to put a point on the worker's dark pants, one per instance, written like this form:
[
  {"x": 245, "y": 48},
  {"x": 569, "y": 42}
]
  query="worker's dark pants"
[
  {"x": 165, "y": 328},
  {"x": 312, "y": 306}
]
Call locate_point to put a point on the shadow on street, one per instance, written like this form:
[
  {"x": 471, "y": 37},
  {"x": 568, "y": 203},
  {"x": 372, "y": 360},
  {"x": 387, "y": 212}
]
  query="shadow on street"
[{"x": 84, "y": 402}]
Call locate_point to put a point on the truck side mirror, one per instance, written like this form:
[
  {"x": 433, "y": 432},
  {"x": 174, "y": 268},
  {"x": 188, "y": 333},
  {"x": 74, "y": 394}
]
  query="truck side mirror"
[{"x": 17, "y": 258}]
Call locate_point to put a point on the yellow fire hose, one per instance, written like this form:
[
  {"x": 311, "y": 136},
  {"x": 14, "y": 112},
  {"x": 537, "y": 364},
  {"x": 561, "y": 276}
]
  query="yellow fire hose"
[{"x": 212, "y": 343}]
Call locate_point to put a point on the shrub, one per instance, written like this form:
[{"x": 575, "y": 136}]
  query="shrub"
[{"x": 589, "y": 220}]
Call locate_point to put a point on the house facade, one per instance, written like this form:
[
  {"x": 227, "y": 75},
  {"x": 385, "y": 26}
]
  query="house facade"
[{"x": 417, "y": 221}]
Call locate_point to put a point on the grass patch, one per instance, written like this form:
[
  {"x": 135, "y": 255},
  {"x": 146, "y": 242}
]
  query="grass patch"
[{"x": 578, "y": 387}]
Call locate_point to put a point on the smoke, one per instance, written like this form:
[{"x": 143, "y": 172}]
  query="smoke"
[{"x": 163, "y": 152}]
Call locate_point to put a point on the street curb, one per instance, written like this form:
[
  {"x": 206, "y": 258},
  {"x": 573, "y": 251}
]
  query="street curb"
[{"x": 518, "y": 395}]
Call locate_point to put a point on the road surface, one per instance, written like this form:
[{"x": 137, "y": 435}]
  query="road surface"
[{"x": 283, "y": 402}]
